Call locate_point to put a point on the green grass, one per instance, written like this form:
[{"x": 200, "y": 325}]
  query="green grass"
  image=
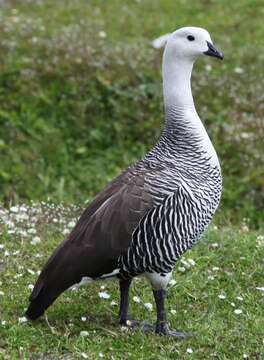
[
  {"x": 76, "y": 108},
  {"x": 229, "y": 261}
]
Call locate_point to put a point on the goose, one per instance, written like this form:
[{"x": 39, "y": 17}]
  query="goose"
[{"x": 154, "y": 211}]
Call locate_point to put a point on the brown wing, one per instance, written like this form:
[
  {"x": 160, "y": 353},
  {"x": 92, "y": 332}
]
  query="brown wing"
[
  {"x": 107, "y": 224},
  {"x": 101, "y": 235}
]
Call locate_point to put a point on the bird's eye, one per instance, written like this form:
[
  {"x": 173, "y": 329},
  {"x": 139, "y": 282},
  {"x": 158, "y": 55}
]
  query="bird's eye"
[{"x": 190, "y": 38}]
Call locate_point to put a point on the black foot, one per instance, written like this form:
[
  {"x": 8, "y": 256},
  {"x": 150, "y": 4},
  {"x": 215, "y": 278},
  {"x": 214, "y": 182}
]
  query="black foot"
[
  {"x": 164, "y": 330},
  {"x": 138, "y": 325}
]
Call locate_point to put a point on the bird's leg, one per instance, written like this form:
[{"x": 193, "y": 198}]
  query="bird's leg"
[
  {"x": 162, "y": 327},
  {"x": 124, "y": 286},
  {"x": 124, "y": 317}
]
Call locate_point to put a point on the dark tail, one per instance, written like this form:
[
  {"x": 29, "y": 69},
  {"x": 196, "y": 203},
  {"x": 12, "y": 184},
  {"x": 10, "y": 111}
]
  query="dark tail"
[
  {"x": 56, "y": 276},
  {"x": 34, "y": 311},
  {"x": 46, "y": 291}
]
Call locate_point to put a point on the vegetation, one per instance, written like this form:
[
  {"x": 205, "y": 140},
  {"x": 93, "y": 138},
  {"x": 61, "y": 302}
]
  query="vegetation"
[
  {"x": 81, "y": 95},
  {"x": 81, "y": 99},
  {"x": 217, "y": 294}
]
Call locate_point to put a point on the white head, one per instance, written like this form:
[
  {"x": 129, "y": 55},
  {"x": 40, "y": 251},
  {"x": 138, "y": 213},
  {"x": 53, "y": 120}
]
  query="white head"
[
  {"x": 183, "y": 47},
  {"x": 189, "y": 43}
]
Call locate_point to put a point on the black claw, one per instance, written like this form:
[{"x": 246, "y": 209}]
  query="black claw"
[{"x": 163, "y": 329}]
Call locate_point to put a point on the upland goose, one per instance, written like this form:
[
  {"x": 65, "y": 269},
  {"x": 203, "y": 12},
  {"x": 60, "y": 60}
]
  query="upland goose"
[{"x": 147, "y": 217}]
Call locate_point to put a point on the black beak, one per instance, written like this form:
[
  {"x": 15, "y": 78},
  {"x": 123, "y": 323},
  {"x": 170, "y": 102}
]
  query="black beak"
[{"x": 212, "y": 51}]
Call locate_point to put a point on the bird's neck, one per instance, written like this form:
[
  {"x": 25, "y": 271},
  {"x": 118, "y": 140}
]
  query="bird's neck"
[
  {"x": 182, "y": 123},
  {"x": 177, "y": 84}
]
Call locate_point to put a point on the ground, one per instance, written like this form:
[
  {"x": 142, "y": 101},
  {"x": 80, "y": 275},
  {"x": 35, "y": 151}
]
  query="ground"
[{"x": 217, "y": 293}]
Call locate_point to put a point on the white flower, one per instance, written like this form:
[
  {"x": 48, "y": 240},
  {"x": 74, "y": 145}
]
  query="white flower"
[
  {"x": 238, "y": 70},
  {"x": 210, "y": 277},
  {"x": 84, "y": 333},
  {"x": 71, "y": 224},
  {"x": 31, "y": 271},
  {"x": 10, "y": 224},
  {"x": 244, "y": 228},
  {"x": 238, "y": 311},
  {"x": 245, "y": 356},
  {"x": 239, "y": 298},
  {"x": 233, "y": 304},
  {"x": 181, "y": 269},
  {"x": 83, "y": 318},
  {"x": 221, "y": 296},
  {"x": 185, "y": 263},
  {"x": 245, "y": 135},
  {"x": 148, "y": 306},
  {"x": 172, "y": 282},
  {"x": 32, "y": 231},
  {"x": 215, "y": 245},
  {"x": 22, "y": 320},
  {"x": 101, "y": 355},
  {"x": 14, "y": 209},
  {"x": 113, "y": 303},
  {"x": 2, "y": 293},
  {"x": 189, "y": 351},
  {"x": 3, "y": 322},
  {"x": 260, "y": 240},
  {"x": 34, "y": 39},
  {"x": 260, "y": 288},
  {"x": 102, "y": 34},
  {"x": 2, "y": 246},
  {"x": 102, "y": 287},
  {"x": 31, "y": 287},
  {"x": 208, "y": 67},
  {"x": 136, "y": 299},
  {"x": 22, "y": 232},
  {"x": 35, "y": 240},
  {"x": 7, "y": 253},
  {"x": 103, "y": 295},
  {"x": 65, "y": 232},
  {"x": 173, "y": 312},
  {"x": 191, "y": 262},
  {"x": 215, "y": 268},
  {"x": 84, "y": 355}
]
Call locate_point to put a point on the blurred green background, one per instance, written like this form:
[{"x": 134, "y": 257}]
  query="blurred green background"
[{"x": 81, "y": 95}]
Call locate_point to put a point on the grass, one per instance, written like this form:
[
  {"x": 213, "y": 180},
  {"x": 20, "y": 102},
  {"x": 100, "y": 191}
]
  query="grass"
[
  {"x": 72, "y": 73},
  {"x": 228, "y": 262}
]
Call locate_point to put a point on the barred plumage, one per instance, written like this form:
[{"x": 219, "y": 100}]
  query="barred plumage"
[
  {"x": 146, "y": 218},
  {"x": 186, "y": 192}
]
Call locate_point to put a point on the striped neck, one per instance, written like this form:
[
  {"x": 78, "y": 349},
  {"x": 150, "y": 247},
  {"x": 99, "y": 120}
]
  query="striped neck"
[{"x": 182, "y": 123}]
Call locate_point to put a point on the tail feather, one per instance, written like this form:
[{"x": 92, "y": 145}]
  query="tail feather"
[
  {"x": 66, "y": 267},
  {"x": 56, "y": 277},
  {"x": 34, "y": 311},
  {"x": 44, "y": 296}
]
